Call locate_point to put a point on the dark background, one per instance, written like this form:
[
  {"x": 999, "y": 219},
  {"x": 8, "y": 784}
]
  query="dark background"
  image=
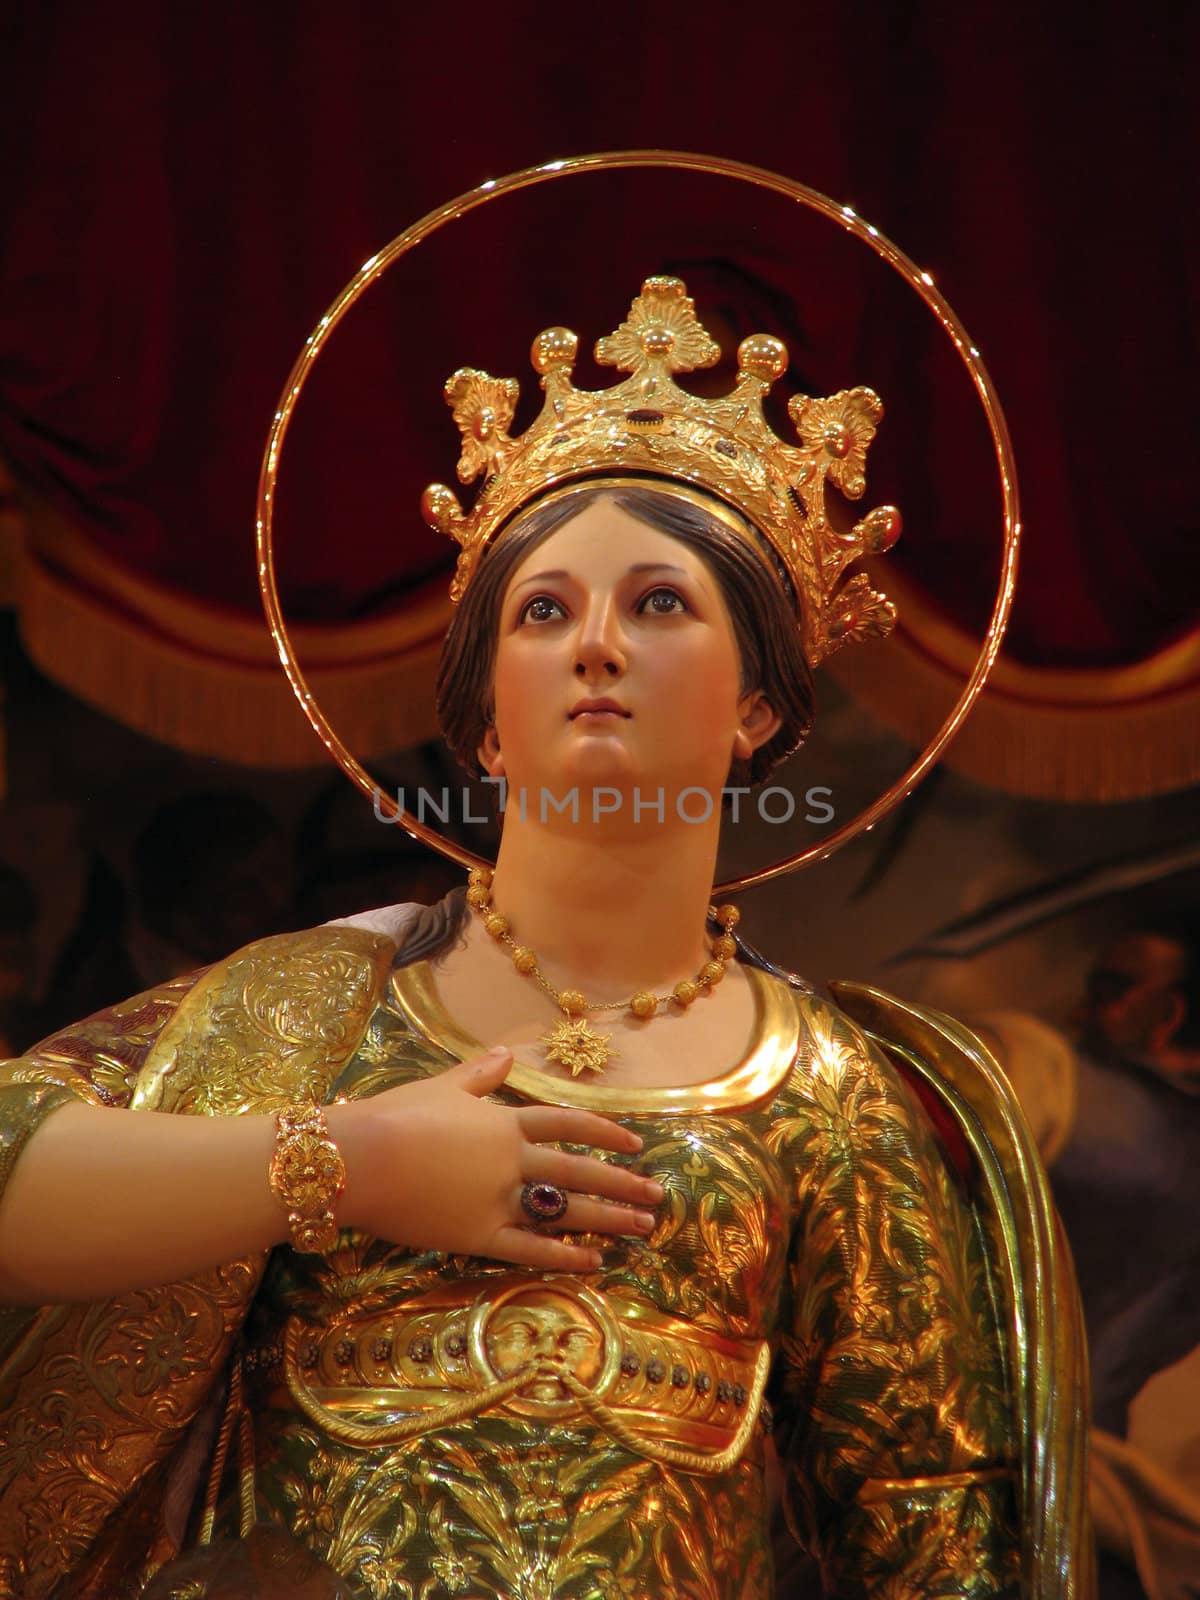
[{"x": 184, "y": 189}]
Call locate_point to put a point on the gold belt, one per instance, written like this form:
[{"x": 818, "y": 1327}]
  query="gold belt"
[{"x": 546, "y": 1348}]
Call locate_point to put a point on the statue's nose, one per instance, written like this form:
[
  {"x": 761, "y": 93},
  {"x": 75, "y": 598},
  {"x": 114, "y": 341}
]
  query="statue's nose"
[{"x": 546, "y": 1345}]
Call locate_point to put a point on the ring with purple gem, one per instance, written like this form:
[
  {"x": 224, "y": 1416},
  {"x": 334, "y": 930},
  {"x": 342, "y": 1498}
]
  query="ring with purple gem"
[{"x": 543, "y": 1202}]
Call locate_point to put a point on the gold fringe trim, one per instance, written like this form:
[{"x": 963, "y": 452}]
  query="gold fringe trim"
[
  {"x": 163, "y": 684},
  {"x": 208, "y": 629},
  {"x": 1110, "y": 734},
  {"x": 208, "y": 682}
]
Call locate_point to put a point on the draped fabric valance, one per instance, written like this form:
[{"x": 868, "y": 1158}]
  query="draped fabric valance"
[{"x": 185, "y": 191}]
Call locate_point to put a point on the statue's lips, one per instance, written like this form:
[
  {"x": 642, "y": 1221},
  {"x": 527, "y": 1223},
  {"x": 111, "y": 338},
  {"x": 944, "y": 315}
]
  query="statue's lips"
[{"x": 594, "y": 710}]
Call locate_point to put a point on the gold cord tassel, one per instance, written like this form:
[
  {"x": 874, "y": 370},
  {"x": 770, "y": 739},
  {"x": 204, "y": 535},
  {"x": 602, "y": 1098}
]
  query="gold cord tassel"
[{"x": 233, "y": 1411}]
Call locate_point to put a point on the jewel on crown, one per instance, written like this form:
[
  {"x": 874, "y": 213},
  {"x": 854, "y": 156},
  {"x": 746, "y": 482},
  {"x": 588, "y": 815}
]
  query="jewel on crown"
[{"x": 647, "y": 426}]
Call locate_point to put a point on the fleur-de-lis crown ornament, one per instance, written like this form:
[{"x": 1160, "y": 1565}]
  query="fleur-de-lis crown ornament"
[{"x": 648, "y": 426}]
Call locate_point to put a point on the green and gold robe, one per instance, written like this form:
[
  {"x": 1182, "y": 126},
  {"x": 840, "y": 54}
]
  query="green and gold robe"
[{"x": 436, "y": 1426}]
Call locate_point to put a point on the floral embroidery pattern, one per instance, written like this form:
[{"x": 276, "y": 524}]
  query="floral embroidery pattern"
[{"x": 825, "y": 1218}]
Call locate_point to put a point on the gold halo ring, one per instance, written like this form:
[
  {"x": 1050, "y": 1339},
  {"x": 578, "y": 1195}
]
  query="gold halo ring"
[{"x": 609, "y": 161}]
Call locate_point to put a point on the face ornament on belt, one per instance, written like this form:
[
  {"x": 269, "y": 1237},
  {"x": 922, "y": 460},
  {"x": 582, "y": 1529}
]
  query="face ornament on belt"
[{"x": 546, "y": 1348}]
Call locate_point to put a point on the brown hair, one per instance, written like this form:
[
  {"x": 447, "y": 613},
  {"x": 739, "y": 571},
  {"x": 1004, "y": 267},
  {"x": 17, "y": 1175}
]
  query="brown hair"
[{"x": 761, "y": 608}]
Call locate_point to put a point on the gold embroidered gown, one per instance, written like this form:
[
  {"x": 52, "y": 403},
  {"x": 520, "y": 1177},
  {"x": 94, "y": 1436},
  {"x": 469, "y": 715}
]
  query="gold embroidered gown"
[{"x": 434, "y": 1426}]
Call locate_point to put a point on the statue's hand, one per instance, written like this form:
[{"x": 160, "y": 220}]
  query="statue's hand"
[{"x": 437, "y": 1166}]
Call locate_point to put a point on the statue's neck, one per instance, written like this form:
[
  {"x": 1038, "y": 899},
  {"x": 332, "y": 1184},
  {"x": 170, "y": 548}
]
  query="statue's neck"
[{"x": 609, "y": 910}]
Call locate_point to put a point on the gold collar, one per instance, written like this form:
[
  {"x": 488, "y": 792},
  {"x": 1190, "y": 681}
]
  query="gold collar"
[{"x": 770, "y": 1052}]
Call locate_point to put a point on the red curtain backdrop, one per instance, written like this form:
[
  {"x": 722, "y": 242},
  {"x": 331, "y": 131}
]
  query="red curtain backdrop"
[{"x": 187, "y": 188}]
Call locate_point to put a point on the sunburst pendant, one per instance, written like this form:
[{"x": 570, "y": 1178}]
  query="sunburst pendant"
[{"x": 577, "y": 1045}]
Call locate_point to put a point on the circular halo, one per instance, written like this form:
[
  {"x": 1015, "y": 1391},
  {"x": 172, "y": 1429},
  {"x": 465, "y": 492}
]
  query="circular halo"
[{"x": 609, "y": 161}]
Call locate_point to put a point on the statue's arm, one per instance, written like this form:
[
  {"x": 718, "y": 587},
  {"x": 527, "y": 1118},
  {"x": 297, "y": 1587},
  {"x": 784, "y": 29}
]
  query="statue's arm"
[
  {"x": 901, "y": 1457},
  {"x": 106, "y": 1200},
  {"x": 141, "y": 1143},
  {"x": 95, "y": 1201},
  {"x": 123, "y": 1377}
]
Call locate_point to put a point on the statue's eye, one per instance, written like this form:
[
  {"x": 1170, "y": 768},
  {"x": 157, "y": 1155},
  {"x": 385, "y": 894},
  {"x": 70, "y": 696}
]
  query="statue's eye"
[
  {"x": 541, "y": 609},
  {"x": 662, "y": 602}
]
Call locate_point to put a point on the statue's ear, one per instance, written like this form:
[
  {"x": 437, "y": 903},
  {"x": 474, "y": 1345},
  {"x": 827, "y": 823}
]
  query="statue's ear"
[
  {"x": 759, "y": 722},
  {"x": 488, "y": 753}
]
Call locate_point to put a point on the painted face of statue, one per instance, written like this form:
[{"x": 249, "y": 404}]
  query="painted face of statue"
[{"x": 617, "y": 665}]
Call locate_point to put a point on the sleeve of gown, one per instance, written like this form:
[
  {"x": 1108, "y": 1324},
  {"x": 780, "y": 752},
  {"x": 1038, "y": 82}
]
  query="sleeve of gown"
[
  {"x": 22, "y": 1108},
  {"x": 894, "y": 1418},
  {"x": 96, "y": 1061},
  {"x": 94, "y": 1397}
]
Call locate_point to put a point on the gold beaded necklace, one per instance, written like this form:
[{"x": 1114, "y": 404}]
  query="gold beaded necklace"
[{"x": 573, "y": 1041}]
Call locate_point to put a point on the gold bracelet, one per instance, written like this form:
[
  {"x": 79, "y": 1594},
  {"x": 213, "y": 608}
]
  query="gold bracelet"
[{"x": 307, "y": 1176}]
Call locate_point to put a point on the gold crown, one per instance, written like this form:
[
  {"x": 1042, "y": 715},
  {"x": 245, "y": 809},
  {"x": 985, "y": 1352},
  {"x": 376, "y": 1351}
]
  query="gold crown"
[{"x": 648, "y": 426}]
